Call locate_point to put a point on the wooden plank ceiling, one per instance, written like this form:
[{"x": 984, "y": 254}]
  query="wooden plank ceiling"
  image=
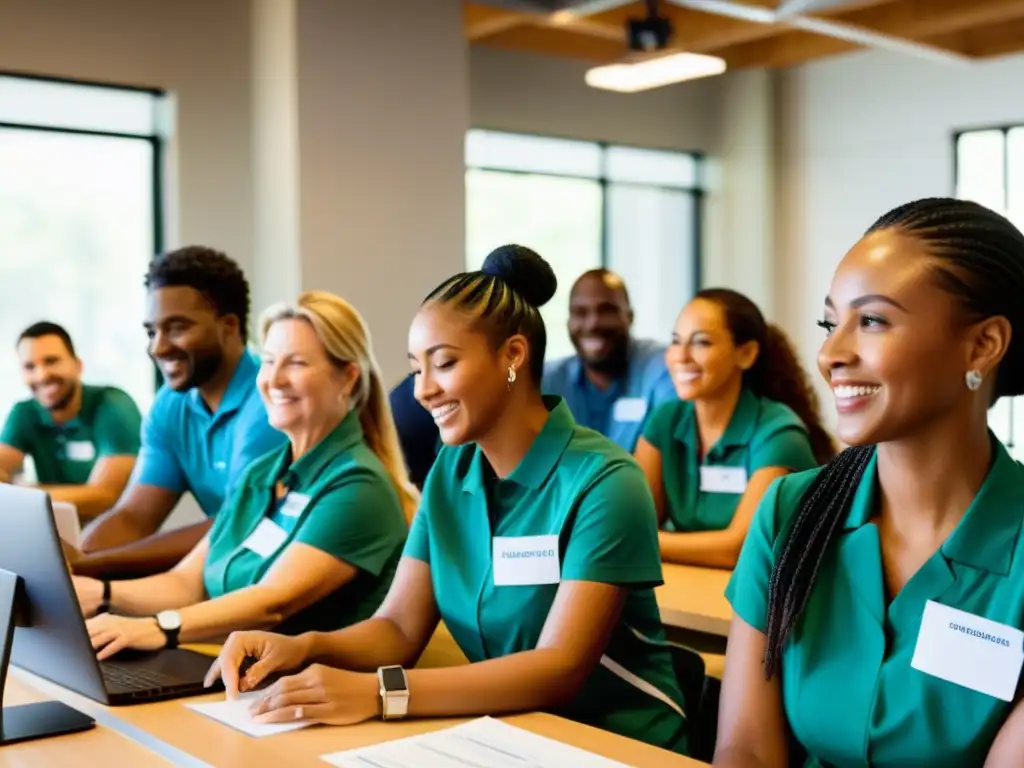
[{"x": 971, "y": 28}]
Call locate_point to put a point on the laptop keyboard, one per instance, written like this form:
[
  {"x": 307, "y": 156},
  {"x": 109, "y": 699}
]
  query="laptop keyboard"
[{"x": 120, "y": 679}]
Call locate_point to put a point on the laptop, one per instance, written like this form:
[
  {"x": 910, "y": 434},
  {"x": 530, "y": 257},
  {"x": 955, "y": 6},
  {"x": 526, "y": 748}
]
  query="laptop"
[{"x": 55, "y": 643}]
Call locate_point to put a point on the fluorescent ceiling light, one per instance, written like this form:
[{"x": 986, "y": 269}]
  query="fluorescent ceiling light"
[{"x": 654, "y": 73}]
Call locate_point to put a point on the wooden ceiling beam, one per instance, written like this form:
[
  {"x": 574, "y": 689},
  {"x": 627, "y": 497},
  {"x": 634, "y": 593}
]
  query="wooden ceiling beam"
[
  {"x": 920, "y": 19},
  {"x": 988, "y": 41},
  {"x": 480, "y": 21}
]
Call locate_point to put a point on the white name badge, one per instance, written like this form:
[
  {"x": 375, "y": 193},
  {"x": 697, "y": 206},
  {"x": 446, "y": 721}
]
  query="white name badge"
[
  {"x": 629, "y": 409},
  {"x": 526, "y": 560},
  {"x": 723, "y": 479},
  {"x": 294, "y": 504},
  {"x": 81, "y": 450},
  {"x": 969, "y": 650},
  {"x": 266, "y": 539}
]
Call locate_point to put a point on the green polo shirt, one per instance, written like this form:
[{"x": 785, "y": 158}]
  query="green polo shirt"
[
  {"x": 850, "y": 693},
  {"x": 340, "y": 500},
  {"x": 761, "y": 433},
  {"x": 585, "y": 513},
  {"x": 108, "y": 424}
]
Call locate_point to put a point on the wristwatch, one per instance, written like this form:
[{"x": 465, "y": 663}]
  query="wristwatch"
[
  {"x": 394, "y": 692},
  {"x": 170, "y": 623}
]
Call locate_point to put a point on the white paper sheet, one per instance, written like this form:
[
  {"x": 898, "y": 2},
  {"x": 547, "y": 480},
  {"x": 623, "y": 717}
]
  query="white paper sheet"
[
  {"x": 483, "y": 742},
  {"x": 235, "y": 714}
]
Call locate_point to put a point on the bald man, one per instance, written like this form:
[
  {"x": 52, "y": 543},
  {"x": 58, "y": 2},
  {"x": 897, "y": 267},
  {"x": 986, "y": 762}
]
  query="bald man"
[{"x": 613, "y": 380}]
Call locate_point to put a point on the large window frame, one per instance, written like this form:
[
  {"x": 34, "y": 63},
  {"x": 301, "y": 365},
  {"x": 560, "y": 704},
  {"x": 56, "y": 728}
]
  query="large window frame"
[
  {"x": 156, "y": 139},
  {"x": 667, "y": 183},
  {"x": 1004, "y": 414},
  {"x": 696, "y": 189}
]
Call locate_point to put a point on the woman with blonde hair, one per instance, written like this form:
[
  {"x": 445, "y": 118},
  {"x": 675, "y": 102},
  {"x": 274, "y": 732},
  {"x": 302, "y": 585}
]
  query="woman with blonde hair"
[{"x": 310, "y": 537}]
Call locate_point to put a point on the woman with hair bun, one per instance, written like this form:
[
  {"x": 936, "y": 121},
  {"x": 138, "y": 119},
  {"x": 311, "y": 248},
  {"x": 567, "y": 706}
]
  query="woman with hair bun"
[
  {"x": 879, "y": 600},
  {"x": 535, "y": 541}
]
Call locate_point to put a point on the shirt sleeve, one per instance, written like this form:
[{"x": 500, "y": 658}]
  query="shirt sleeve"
[
  {"x": 615, "y": 537},
  {"x": 158, "y": 465},
  {"x": 358, "y": 520},
  {"x": 747, "y": 590},
  {"x": 658, "y": 426},
  {"x": 118, "y": 425},
  {"x": 789, "y": 448},
  {"x": 417, "y": 546},
  {"x": 17, "y": 431}
]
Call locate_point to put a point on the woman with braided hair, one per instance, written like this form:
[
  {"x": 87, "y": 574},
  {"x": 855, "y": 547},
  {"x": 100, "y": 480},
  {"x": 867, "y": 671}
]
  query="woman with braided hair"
[{"x": 879, "y": 600}]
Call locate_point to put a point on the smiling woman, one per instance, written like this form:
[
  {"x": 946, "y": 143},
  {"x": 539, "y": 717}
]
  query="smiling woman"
[
  {"x": 311, "y": 535},
  {"x": 535, "y": 542},
  {"x": 745, "y": 415},
  {"x": 855, "y": 577}
]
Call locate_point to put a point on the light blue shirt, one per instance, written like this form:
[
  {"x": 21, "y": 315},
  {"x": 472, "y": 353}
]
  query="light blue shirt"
[
  {"x": 618, "y": 412},
  {"x": 187, "y": 448}
]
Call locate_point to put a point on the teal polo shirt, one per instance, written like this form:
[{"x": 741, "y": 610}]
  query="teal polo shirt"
[
  {"x": 851, "y": 694},
  {"x": 187, "y": 448},
  {"x": 107, "y": 424},
  {"x": 577, "y": 508},
  {"x": 761, "y": 433},
  {"x": 340, "y": 500}
]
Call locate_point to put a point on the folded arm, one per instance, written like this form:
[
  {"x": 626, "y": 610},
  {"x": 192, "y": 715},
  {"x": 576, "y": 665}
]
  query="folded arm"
[{"x": 107, "y": 481}]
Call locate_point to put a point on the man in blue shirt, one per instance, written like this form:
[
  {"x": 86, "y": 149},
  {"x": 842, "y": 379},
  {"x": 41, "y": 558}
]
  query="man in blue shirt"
[
  {"x": 207, "y": 424},
  {"x": 613, "y": 380}
]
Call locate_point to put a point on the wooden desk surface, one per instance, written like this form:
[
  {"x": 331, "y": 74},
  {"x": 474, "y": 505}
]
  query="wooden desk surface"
[
  {"x": 188, "y": 738},
  {"x": 101, "y": 747},
  {"x": 694, "y": 598}
]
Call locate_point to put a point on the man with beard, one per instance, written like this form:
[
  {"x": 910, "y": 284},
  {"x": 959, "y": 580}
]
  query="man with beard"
[
  {"x": 613, "y": 380},
  {"x": 83, "y": 439},
  {"x": 207, "y": 423}
]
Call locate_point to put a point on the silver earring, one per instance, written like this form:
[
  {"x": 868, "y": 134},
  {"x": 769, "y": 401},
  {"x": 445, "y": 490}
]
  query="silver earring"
[
  {"x": 511, "y": 377},
  {"x": 974, "y": 379}
]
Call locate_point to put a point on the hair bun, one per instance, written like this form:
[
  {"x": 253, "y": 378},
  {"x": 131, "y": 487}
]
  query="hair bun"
[{"x": 524, "y": 271}]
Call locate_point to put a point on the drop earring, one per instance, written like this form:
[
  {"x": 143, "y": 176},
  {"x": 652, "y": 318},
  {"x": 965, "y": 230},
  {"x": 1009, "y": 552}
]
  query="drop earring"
[
  {"x": 974, "y": 379},
  {"x": 511, "y": 377}
]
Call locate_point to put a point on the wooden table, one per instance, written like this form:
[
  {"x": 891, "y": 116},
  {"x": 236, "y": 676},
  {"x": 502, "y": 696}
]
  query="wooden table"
[
  {"x": 143, "y": 734},
  {"x": 101, "y": 747},
  {"x": 694, "y": 599}
]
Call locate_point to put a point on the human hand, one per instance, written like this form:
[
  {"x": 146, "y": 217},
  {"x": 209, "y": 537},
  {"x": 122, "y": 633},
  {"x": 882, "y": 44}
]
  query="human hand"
[
  {"x": 71, "y": 555},
  {"x": 90, "y": 594},
  {"x": 273, "y": 653},
  {"x": 322, "y": 694},
  {"x": 110, "y": 634}
]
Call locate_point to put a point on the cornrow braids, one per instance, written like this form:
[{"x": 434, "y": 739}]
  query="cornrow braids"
[
  {"x": 504, "y": 298},
  {"x": 979, "y": 259},
  {"x": 824, "y": 506}
]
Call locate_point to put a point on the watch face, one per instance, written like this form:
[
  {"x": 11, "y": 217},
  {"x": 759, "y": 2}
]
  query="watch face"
[
  {"x": 169, "y": 620},
  {"x": 393, "y": 679}
]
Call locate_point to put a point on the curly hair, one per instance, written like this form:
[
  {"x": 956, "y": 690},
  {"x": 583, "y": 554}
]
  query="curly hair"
[
  {"x": 212, "y": 273},
  {"x": 777, "y": 373}
]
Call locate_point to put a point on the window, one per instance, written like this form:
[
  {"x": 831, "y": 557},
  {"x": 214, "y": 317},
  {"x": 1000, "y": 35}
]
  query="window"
[
  {"x": 583, "y": 205},
  {"x": 79, "y": 222},
  {"x": 990, "y": 170}
]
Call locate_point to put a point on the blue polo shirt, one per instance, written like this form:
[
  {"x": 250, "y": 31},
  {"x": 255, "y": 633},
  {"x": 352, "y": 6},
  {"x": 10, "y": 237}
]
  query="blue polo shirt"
[
  {"x": 187, "y": 448},
  {"x": 619, "y": 412}
]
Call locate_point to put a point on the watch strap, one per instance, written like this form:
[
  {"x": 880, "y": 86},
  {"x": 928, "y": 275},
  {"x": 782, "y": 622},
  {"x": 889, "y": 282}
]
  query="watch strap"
[
  {"x": 170, "y": 634},
  {"x": 394, "y": 705},
  {"x": 105, "y": 601}
]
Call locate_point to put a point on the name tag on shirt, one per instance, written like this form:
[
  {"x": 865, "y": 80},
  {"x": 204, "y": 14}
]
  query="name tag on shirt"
[
  {"x": 629, "y": 409},
  {"x": 81, "y": 450},
  {"x": 526, "y": 561},
  {"x": 723, "y": 479},
  {"x": 266, "y": 539},
  {"x": 294, "y": 504},
  {"x": 969, "y": 650}
]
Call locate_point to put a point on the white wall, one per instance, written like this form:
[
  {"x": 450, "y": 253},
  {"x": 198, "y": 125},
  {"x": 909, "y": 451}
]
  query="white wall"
[{"x": 856, "y": 136}]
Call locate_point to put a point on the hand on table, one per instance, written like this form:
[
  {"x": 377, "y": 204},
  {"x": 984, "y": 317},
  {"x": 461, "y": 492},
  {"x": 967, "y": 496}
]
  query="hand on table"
[
  {"x": 110, "y": 634},
  {"x": 273, "y": 653},
  {"x": 322, "y": 694}
]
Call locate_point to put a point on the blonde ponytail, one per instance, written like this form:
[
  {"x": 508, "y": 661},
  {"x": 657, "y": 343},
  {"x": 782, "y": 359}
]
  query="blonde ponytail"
[{"x": 346, "y": 339}]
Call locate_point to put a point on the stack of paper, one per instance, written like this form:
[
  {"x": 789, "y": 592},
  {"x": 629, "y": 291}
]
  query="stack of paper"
[
  {"x": 486, "y": 743},
  {"x": 236, "y": 715}
]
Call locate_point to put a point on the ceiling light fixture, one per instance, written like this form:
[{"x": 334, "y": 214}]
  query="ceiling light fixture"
[{"x": 654, "y": 73}]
